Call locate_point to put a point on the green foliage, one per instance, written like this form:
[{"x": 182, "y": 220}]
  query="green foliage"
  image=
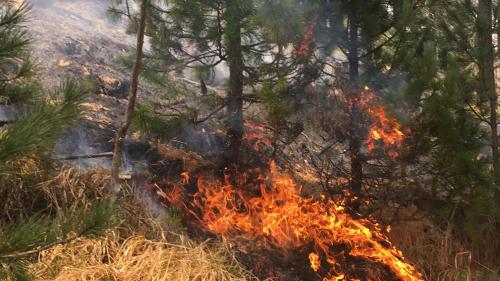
[
  {"x": 21, "y": 241},
  {"x": 152, "y": 124},
  {"x": 277, "y": 106},
  {"x": 41, "y": 117},
  {"x": 449, "y": 132},
  {"x": 454, "y": 131},
  {"x": 15, "y": 63},
  {"x": 40, "y": 123},
  {"x": 272, "y": 19},
  {"x": 15, "y": 40}
]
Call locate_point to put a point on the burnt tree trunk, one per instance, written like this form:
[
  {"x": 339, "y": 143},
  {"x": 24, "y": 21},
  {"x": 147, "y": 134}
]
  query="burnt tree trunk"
[
  {"x": 234, "y": 118},
  {"x": 354, "y": 140},
  {"x": 487, "y": 86},
  {"x": 122, "y": 132}
]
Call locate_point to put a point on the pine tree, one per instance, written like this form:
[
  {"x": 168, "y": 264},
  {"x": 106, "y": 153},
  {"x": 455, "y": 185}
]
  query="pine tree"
[
  {"x": 204, "y": 34},
  {"x": 360, "y": 30},
  {"x": 486, "y": 75},
  {"x": 122, "y": 133},
  {"x": 40, "y": 119},
  {"x": 449, "y": 89}
]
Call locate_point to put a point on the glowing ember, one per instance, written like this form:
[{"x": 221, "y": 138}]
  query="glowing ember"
[{"x": 281, "y": 218}]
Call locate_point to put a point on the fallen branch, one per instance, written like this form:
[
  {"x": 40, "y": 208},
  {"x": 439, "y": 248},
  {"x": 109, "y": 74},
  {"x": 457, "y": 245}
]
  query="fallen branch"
[{"x": 89, "y": 156}]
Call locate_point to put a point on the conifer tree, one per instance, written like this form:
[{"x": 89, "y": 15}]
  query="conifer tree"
[
  {"x": 360, "y": 30},
  {"x": 31, "y": 134},
  {"x": 450, "y": 90},
  {"x": 217, "y": 31},
  {"x": 486, "y": 75},
  {"x": 122, "y": 132}
]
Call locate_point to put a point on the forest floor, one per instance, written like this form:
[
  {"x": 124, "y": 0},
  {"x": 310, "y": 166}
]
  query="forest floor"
[{"x": 75, "y": 40}]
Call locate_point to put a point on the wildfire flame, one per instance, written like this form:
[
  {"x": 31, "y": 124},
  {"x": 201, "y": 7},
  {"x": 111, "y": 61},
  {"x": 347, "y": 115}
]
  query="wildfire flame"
[
  {"x": 308, "y": 45},
  {"x": 383, "y": 129},
  {"x": 256, "y": 134},
  {"x": 281, "y": 218}
]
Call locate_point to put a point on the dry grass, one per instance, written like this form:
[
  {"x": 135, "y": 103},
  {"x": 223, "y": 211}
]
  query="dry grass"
[
  {"x": 33, "y": 185},
  {"x": 440, "y": 256},
  {"x": 138, "y": 258},
  {"x": 146, "y": 245}
]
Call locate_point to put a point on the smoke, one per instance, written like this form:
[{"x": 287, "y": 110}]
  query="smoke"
[
  {"x": 201, "y": 139},
  {"x": 75, "y": 142},
  {"x": 8, "y": 113}
]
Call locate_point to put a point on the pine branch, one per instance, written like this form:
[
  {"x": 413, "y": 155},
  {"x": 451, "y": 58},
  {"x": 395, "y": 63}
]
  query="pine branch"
[
  {"x": 41, "y": 248},
  {"x": 215, "y": 111}
]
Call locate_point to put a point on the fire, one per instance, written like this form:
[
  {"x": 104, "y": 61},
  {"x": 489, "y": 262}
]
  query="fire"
[
  {"x": 314, "y": 260},
  {"x": 185, "y": 177},
  {"x": 384, "y": 129},
  {"x": 270, "y": 212},
  {"x": 307, "y": 45},
  {"x": 256, "y": 134}
]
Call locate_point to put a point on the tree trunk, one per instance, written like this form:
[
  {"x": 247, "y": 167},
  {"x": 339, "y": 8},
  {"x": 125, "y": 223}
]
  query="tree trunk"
[
  {"x": 234, "y": 119},
  {"x": 487, "y": 87},
  {"x": 354, "y": 140},
  {"x": 122, "y": 133}
]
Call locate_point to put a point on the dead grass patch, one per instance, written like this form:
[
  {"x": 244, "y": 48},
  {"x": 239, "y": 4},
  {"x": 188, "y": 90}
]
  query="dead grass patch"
[
  {"x": 139, "y": 259},
  {"x": 440, "y": 255},
  {"x": 33, "y": 185}
]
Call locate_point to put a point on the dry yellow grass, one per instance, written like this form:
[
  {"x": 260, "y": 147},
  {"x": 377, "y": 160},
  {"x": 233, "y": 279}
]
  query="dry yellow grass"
[
  {"x": 440, "y": 256},
  {"x": 139, "y": 259},
  {"x": 141, "y": 248},
  {"x": 33, "y": 185}
]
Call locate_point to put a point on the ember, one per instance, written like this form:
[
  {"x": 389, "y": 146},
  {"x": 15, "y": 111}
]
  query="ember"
[{"x": 281, "y": 218}]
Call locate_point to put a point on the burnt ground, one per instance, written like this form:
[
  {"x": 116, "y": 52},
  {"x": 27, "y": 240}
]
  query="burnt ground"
[{"x": 76, "y": 40}]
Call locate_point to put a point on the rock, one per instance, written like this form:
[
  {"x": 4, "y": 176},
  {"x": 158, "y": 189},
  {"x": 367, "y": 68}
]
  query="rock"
[{"x": 8, "y": 113}]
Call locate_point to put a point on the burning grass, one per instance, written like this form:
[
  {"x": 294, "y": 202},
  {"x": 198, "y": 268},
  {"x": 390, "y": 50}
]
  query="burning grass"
[{"x": 269, "y": 212}]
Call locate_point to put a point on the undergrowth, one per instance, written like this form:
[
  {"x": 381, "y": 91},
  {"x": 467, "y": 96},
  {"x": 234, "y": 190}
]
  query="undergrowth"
[{"x": 141, "y": 247}]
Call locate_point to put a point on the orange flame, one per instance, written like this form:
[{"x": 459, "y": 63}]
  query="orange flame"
[
  {"x": 383, "y": 129},
  {"x": 185, "y": 177},
  {"x": 314, "y": 260},
  {"x": 256, "y": 133},
  {"x": 281, "y": 218},
  {"x": 308, "y": 44}
]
